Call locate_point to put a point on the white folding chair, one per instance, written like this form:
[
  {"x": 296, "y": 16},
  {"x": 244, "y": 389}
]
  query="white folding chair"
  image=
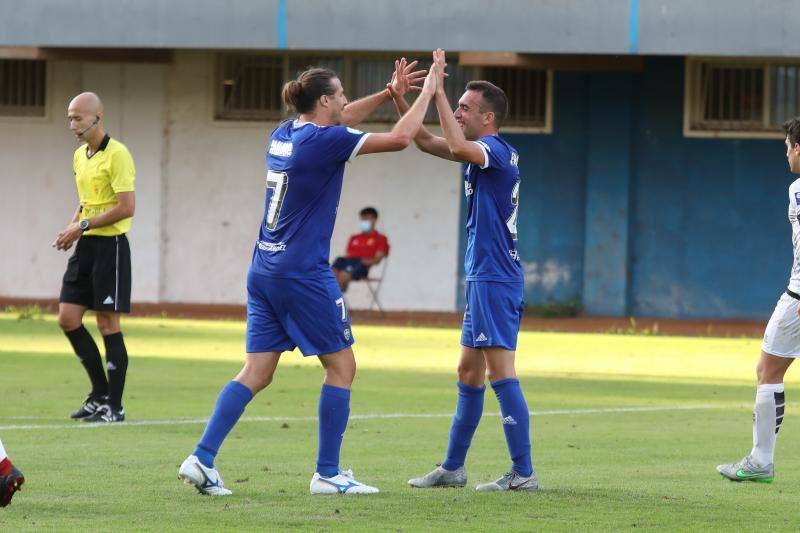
[{"x": 374, "y": 281}]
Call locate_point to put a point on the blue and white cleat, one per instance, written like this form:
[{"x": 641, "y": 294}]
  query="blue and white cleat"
[
  {"x": 206, "y": 480},
  {"x": 343, "y": 483}
]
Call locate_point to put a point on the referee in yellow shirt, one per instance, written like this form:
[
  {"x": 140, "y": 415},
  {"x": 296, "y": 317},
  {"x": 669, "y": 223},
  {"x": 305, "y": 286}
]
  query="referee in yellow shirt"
[{"x": 98, "y": 275}]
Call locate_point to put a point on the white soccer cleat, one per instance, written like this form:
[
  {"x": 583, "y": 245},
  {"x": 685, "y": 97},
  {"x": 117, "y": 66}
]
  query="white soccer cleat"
[
  {"x": 206, "y": 480},
  {"x": 343, "y": 483}
]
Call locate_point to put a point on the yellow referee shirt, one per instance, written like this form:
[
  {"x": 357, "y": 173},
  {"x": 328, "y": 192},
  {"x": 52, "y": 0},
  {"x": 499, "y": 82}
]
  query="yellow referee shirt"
[{"x": 109, "y": 171}]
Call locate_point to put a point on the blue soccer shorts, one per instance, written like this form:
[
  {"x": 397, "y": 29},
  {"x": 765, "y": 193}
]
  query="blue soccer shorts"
[
  {"x": 493, "y": 314},
  {"x": 309, "y": 314}
]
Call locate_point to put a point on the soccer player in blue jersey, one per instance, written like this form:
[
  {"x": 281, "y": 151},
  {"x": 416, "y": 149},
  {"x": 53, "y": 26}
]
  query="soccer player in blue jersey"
[
  {"x": 293, "y": 298},
  {"x": 494, "y": 279}
]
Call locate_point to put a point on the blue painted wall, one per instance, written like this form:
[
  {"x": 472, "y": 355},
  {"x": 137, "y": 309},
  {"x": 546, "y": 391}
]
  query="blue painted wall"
[
  {"x": 622, "y": 213},
  {"x": 552, "y": 197}
]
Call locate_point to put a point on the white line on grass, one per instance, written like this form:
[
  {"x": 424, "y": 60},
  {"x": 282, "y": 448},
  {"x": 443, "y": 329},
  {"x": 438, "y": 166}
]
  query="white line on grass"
[{"x": 378, "y": 416}]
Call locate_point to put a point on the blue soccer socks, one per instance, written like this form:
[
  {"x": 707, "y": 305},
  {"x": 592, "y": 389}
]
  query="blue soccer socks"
[
  {"x": 231, "y": 402},
  {"x": 334, "y": 410},
  {"x": 516, "y": 423},
  {"x": 468, "y": 414}
]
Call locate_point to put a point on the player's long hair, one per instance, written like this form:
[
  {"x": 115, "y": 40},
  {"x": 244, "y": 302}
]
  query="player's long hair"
[{"x": 303, "y": 93}]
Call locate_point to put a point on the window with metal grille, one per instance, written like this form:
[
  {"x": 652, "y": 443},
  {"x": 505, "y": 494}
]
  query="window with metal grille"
[
  {"x": 371, "y": 74},
  {"x": 249, "y": 85},
  {"x": 527, "y": 92},
  {"x": 784, "y": 93},
  {"x": 749, "y": 98},
  {"x": 23, "y": 85}
]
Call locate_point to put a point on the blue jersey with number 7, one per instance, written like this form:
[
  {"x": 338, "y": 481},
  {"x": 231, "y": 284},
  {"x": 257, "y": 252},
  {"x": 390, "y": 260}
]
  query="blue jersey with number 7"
[
  {"x": 492, "y": 191},
  {"x": 305, "y": 165}
]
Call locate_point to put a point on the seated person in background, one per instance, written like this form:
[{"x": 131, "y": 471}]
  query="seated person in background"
[{"x": 364, "y": 250}]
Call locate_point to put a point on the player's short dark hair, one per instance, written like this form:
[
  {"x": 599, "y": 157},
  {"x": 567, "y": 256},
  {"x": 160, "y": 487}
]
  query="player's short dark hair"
[
  {"x": 792, "y": 130},
  {"x": 494, "y": 99},
  {"x": 302, "y": 94},
  {"x": 369, "y": 212}
]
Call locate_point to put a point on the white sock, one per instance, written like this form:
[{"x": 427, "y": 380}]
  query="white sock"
[
  {"x": 2, "y": 451},
  {"x": 767, "y": 419}
]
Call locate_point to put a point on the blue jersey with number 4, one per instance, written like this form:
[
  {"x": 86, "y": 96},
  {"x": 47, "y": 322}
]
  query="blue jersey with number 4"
[
  {"x": 305, "y": 165},
  {"x": 492, "y": 191}
]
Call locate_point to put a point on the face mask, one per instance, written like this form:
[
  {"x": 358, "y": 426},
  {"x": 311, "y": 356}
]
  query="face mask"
[{"x": 366, "y": 226}]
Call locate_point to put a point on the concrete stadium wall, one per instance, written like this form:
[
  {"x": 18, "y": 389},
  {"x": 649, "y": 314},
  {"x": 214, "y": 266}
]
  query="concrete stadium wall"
[
  {"x": 37, "y": 186},
  {"x": 622, "y": 213},
  {"x": 619, "y": 212},
  {"x": 658, "y": 27},
  {"x": 200, "y": 193}
]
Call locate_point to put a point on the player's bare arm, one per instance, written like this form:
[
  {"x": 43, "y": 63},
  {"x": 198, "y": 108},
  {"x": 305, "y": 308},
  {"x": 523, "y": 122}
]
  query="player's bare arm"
[
  {"x": 407, "y": 127},
  {"x": 460, "y": 148},
  {"x": 356, "y": 112},
  {"x": 124, "y": 209},
  {"x": 425, "y": 140}
]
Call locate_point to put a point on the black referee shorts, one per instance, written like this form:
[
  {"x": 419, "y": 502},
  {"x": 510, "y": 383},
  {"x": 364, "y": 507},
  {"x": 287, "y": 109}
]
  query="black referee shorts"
[{"x": 98, "y": 274}]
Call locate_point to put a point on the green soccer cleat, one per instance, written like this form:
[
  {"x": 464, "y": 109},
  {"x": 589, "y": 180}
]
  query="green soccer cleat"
[
  {"x": 745, "y": 470},
  {"x": 511, "y": 481},
  {"x": 440, "y": 478}
]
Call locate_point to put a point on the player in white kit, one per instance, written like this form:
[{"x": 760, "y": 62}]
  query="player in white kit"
[
  {"x": 11, "y": 479},
  {"x": 780, "y": 347}
]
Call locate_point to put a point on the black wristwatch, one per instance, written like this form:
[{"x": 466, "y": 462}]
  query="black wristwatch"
[{"x": 84, "y": 224}]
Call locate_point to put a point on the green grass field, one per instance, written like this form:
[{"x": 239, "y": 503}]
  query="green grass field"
[{"x": 627, "y": 430}]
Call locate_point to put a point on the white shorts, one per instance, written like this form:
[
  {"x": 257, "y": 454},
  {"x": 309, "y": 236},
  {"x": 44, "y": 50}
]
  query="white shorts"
[{"x": 782, "y": 336}]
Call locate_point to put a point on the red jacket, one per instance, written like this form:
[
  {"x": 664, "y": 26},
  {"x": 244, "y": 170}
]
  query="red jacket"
[{"x": 367, "y": 245}]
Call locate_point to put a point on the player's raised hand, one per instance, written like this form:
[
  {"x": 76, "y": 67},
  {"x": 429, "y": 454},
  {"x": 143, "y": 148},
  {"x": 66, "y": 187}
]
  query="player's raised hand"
[
  {"x": 431, "y": 81},
  {"x": 440, "y": 63},
  {"x": 405, "y": 78}
]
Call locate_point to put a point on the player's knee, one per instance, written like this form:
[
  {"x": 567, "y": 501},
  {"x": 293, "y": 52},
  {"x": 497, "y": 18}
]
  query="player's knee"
[
  {"x": 341, "y": 375},
  {"x": 258, "y": 377},
  {"x": 470, "y": 375},
  {"x": 68, "y": 322},
  {"x": 768, "y": 375},
  {"x": 107, "y": 325},
  {"x": 496, "y": 374}
]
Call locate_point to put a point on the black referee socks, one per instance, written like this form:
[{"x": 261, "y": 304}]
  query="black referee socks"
[
  {"x": 85, "y": 348},
  {"x": 117, "y": 364}
]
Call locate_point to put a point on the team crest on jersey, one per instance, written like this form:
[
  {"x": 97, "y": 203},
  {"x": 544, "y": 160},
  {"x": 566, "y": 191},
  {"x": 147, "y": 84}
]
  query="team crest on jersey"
[{"x": 797, "y": 198}]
